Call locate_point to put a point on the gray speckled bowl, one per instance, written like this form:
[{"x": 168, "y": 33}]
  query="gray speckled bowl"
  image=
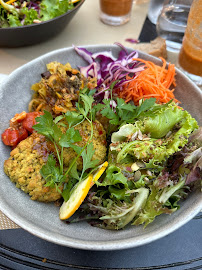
[{"x": 42, "y": 219}]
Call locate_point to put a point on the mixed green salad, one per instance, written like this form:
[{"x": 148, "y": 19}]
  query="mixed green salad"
[
  {"x": 153, "y": 163},
  {"x": 18, "y": 13},
  {"x": 154, "y": 160}
]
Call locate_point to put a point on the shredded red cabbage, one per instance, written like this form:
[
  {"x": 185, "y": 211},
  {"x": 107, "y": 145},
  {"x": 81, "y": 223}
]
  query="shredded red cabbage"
[
  {"x": 132, "y": 40},
  {"x": 107, "y": 69}
]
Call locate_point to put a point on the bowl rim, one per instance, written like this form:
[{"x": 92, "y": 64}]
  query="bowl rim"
[
  {"x": 43, "y": 22},
  {"x": 88, "y": 244}
]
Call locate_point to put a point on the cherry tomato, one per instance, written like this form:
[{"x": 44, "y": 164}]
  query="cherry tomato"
[
  {"x": 10, "y": 137},
  {"x": 30, "y": 121},
  {"x": 23, "y": 134}
]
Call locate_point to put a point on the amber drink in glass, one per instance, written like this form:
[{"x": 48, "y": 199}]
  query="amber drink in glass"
[
  {"x": 115, "y": 12},
  {"x": 190, "y": 56}
]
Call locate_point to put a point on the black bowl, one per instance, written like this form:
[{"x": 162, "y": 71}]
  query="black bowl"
[{"x": 35, "y": 33}]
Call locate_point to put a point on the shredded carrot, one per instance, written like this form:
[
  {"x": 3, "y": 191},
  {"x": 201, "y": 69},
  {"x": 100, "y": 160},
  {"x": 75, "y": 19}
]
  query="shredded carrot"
[{"x": 153, "y": 81}]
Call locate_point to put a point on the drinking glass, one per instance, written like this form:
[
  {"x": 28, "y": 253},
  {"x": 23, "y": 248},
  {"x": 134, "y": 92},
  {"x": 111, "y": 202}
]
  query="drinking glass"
[
  {"x": 172, "y": 22},
  {"x": 190, "y": 56},
  {"x": 115, "y": 12},
  {"x": 155, "y": 7}
]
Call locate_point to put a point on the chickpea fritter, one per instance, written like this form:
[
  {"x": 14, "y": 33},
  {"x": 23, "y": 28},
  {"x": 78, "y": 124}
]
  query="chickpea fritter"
[
  {"x": 99, "y": 143},
  {"x": 26, "y": 160},
  {"x": 23, "y": 168}
]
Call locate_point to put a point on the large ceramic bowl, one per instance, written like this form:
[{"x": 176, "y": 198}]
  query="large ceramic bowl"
[
  {"x": 42, "y": 219},
  {"x": 36, "y": 33}
]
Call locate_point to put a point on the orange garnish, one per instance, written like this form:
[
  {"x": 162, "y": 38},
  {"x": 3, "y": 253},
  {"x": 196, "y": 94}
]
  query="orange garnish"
[{"x": 153, "y": 82}]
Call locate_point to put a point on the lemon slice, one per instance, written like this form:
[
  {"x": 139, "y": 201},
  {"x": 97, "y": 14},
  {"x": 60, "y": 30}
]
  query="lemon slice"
[
  {"x": 99, "y": 172},
  {"x": 10, "y": 2},
  {"x": 81, "y": 190}
]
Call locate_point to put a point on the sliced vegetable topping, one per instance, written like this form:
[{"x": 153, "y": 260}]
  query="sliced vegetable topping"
[
  {"x": 133, "y": 79},
  {"x": 79, "y": 193},
  {"x": 107, "y": 69},
  {"x": 154, "y": 81}
]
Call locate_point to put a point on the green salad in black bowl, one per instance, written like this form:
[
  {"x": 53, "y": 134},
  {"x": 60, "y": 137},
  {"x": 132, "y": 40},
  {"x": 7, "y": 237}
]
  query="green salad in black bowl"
[{"x": 33, "y": 21}]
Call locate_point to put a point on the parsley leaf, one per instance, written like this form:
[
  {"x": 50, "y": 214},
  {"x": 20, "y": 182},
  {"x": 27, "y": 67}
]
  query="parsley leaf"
[
  {"x": 71, "y": 136},
  {"x": 51, "y": 173},
  {"x": 73, "y": 172},
  {"x": 47, "y": 127},
  {"x": 107, "y": 111},
  {"x": 73, "y": 118},
  {"x": 85, "y": 105},
  {"x": 146, "y": 105},
  {"x": 124, "y": 112},
  {"x": 87, "y": 155},
  {"x": 58, "y": 118}
]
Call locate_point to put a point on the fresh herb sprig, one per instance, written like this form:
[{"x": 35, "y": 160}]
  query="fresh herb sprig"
[
  {"x": 49, "y": 127},
  {"x": 123, "y": 112},
  {"x": 85, "y": 111}
]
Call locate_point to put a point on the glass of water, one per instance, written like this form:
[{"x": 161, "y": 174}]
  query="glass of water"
[
  {"x": 155, "y": 7},
  {"x": 172, "y": 22}
]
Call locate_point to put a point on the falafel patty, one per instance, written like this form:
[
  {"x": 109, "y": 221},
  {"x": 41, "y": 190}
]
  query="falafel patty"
[
  {"x": 23, "y": 168},
  {"x": 98, "y": 140},
  {"x": 26, "y": 160}
]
